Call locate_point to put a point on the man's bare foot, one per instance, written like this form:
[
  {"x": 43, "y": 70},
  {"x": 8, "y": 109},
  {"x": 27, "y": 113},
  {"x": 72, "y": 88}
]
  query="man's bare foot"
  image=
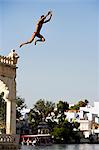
[{"x": 35, "y": 42}]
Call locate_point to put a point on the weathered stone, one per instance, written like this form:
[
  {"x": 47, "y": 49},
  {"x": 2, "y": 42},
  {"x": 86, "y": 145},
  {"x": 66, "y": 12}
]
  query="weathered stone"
[{"x": 8, "y": 86}]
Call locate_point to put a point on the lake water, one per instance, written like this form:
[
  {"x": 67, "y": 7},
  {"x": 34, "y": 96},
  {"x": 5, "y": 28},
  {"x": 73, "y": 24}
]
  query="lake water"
[{"x": 64, "y": 147}]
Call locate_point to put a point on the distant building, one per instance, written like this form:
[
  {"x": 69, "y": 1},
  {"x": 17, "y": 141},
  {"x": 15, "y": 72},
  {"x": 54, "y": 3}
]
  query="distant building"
[
  {"x": 88, "y": 117},
  {"x": 72, "y": 115},
  {"x": 89, "y": 120}
]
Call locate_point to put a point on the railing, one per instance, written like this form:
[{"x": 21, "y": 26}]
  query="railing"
[
  {"x": 9, "y": 142},
  {"x": 9, "y": 139}
]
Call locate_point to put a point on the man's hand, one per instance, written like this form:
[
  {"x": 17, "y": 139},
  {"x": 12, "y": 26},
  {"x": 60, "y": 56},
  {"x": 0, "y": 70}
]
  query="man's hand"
[{"x": 49, "y": 12}]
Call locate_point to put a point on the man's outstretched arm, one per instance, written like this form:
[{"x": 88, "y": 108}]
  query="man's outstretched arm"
[{"x": 49, "y": 13}]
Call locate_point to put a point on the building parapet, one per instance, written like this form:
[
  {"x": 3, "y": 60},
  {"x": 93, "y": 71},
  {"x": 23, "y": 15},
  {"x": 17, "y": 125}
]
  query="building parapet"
[
  {"x": 11, "y": 59},
  {"x": 6, "y": 60}
]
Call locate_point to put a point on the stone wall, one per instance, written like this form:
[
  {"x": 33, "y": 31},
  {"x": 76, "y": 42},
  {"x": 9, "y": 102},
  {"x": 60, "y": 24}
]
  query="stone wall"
[{"x": 8, "y": 86}]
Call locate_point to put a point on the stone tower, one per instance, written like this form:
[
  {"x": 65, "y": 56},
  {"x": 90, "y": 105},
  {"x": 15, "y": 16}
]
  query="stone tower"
[{"x": 8, "y": 86}]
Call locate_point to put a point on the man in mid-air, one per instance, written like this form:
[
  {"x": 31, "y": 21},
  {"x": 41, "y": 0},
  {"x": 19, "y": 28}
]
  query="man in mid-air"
[{"x": 39, "y": 25}]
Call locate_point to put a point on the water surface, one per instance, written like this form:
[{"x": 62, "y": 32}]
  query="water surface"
[{"x": 64, "y": 147}]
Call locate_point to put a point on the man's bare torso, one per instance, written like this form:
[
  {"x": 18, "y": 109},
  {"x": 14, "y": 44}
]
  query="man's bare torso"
[{"x": 39, "y": 25}]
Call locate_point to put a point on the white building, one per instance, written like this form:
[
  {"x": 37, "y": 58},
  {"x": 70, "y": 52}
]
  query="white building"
[
  {"x": 88, "y": 117},
  {"x": 72, "y": 115},
  {"x": 24, "y": 113},
  {"x": 90, "y": 113}
]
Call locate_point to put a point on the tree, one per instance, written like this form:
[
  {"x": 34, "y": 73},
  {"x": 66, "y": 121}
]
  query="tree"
[
  {"x": 44, "y": 108},
  {"x": 39, "y": 112},
  {"x": 75, "y": 125},
  {"x": 62, "y": 106},
  {"x": 86, "y": 101},
  {"x": 79, "y": 104},
  {"x": 2, "y": 111},
  {"x": 63, "y": 132},
  {"x": 20, "y": 104},
  {"x": 75, "y": 107},
  {"x": 34, "y": 119}
]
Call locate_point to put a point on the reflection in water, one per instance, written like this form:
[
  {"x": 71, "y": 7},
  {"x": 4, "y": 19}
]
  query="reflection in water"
[{"x": 63, "y": 147}]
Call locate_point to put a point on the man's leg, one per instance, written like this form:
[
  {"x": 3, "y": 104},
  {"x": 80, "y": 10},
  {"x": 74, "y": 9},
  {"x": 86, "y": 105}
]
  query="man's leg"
[
  {"x": 30, "y": 41},
  {"x": 41, "y": 38}
]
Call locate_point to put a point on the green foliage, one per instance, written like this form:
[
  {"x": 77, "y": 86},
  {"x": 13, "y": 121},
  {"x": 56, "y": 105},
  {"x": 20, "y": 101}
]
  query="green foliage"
[
  {"x": 43, "y": 108},
  {"x": 86, "y": 101},
  {"x": 62, "y": 106},
  {"x": 63, "y": 132},
  {"x": 2, "y": 108},
  {"x": 75, "y": 107},
  {"x": 20, "y": 104},
  {"x": 39, "y": 113},
  {"x": 79, "y": 104},
  {"x": 2, "y": 112},
  {"x": 34, "y": 119},
  {"x": 75, "y": 125}
]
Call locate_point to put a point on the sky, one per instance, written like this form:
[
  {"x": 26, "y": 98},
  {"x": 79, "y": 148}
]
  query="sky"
[{"x": 64, "y": 67}]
